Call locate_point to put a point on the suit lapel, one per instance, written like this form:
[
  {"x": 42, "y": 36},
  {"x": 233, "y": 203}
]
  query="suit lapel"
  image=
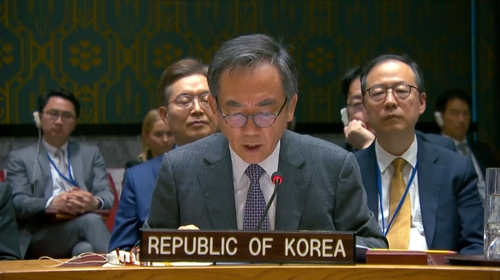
[
  {"x": 45, "y": 175},
  {"x": 367, "y": 160},
  {"x": 291, "y": 194},
  {"x": 216, "y": 183},
  {"x": 76, "y": 164},
  {"x": 430, "y": 175}
]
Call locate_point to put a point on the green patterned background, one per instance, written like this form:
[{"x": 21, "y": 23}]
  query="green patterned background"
[{"x": 111, "y": 53}]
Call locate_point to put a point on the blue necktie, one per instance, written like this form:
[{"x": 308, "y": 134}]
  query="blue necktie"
[{"x": 255, "y": 205}]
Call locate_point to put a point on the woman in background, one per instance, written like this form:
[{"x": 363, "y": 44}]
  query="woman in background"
[{"x": 156, "y": 139}]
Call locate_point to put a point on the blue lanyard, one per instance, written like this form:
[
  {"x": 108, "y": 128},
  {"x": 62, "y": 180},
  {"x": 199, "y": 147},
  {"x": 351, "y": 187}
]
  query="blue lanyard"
[
  {"x": 70, "y": 179},
  {"x": 379, "y": 184}
]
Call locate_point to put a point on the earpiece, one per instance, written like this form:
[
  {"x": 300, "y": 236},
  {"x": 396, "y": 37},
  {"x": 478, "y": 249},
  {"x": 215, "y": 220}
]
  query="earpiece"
[
  {"x": 344, "y": 117},
  {"x": 439, "y": 118},
  {"x": 36, "y": 117}
]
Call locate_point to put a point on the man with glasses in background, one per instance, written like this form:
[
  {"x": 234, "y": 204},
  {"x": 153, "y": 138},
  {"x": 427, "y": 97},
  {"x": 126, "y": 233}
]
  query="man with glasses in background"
[
  {"x": 223, "y": 182},
  {"x": 183, "y": 92},
  {"x": 357, "y": 131},
  {"x": 424, "y": 196},
  {"x": 61, "y": 175}
]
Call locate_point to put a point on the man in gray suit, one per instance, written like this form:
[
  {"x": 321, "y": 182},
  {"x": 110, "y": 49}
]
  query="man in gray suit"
[
  {"x": 9, "y": 243},
  {"x": 223, "y": 182},
  {"x": 63, "y": 176}
]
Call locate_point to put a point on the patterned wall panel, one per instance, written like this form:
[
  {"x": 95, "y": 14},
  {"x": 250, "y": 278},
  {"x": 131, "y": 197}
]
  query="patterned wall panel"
[
  {"x": 488, "y": 66},
  {"x": 110, "y": 53}
]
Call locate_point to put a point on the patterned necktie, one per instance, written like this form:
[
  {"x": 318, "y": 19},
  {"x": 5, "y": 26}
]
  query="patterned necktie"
[
  {"x": 399, "y": 232},
  {"x": 463, "y": 149},
  {"x": 63, "y": 168},
  {"x": 255, "y": 205}
]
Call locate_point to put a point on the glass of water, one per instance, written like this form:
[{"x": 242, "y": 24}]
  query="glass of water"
[{"x": 492, "y": 215}]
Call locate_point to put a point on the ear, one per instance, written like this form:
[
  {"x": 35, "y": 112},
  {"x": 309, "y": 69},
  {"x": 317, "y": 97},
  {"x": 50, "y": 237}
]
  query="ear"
[
  {"x": 291, "y": 107},
  {"x": 422, "y": 100},
  {"x": 163, "y": 115},
  {"x": 213, "y": 104}
]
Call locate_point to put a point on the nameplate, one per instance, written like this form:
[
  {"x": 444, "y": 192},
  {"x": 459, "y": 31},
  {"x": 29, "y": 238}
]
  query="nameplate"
[{"x": 248, "y": 246}]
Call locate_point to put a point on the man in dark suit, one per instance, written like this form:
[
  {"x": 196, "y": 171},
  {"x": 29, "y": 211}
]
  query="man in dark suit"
[
  {"x": 61, "y": 175},
  {"x": 423, "y": 195},
  {"x": 223, "y": 182},
  {"x": 183, "y": 90},
  {"x": 357, "y": 131},
  {"x": 9, "y": 237},
  {"x": 453, "y": 116}
]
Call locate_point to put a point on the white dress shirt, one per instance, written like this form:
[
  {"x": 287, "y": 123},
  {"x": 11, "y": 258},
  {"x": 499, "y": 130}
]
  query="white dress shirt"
[
  {"x": 59, "y": 184},
  {"x": 384, "y": 160},
  {"x": 242, "y": 184}
]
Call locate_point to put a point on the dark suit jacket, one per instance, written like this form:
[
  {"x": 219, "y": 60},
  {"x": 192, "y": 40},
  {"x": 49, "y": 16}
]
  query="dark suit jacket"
[
  {"x": 452, "y": 212},
  {"x": 9, "y": 237},
  {"x": 483, "y": 154},
  {"x": 30, "y": 194},
  {"x": 439, "y": 140},
  {"x": 436, "y": 139},
  {"x": 321, "y": 189},
  {"x": 135, "y": 201}
]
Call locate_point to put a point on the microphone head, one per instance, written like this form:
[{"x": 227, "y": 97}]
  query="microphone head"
[{"x": 277, "y": 178}]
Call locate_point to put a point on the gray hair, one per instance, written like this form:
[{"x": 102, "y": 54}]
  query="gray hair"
[{"x": 252, "y": 51}]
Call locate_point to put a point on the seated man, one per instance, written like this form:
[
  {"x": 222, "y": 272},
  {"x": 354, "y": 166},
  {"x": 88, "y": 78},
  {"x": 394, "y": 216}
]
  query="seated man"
[
  {"x": 223, "y": 181},
  {"x": 9, "y": 237},
  {"x": 423, "y": 195},
  {"x": 62, "y": 175},
  {"x": 184, "y": 91},
  {"x": 453, "y": 107},
  {"x": 358, "y": 133}
]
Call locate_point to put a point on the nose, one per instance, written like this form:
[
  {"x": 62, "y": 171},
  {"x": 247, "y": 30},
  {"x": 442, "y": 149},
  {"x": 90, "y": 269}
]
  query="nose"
[
  {"x": 390, "y": 101},
  {"x": 197, "y": 108},
  {"x": 250, "y": 128},
  {"x": 58, "y": 120},
  {"x": 164, "y": 138}
]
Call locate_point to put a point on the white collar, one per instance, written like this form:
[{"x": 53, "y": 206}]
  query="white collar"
[
  {"x": 52, "y": 150},
  {"x": 385, "y": 159},
  {"x": 270, "y": 164}
]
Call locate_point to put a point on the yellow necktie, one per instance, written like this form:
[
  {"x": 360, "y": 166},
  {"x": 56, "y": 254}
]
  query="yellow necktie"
[{"x": 399, "y": 232}]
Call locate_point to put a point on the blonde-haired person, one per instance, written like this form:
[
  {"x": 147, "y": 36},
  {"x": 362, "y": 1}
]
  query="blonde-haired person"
[{"x": 157, "y": 138}]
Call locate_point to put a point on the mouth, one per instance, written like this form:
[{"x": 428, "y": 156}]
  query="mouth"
[
  {"x": 390, "y": 117},
  {"x": 198, "y": 123},
  {"x": 252, "y": 147}
]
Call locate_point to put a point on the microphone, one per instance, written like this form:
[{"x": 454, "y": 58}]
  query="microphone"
[{"x": 277, "y": 179}]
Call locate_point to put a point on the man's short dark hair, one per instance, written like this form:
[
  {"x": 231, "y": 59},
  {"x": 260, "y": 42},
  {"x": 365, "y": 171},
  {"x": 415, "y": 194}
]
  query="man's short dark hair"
[
  {"x": 450, "y": 94},
  {"x": 419, "y": 77},
  {"x": 44, "y": 99},
  {"x": 252, "y": 51},
  {"x": 181, "y": 69},
  {"x": 349, "y": 76}
]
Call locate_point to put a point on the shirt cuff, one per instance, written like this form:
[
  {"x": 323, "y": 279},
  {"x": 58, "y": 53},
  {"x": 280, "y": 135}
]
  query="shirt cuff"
[
  {"x": 49, "y": 201},
  {"x": 101, "y": 203}
]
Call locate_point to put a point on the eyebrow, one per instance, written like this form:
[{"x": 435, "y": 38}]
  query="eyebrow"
[
  {"x": 263, "y": 103},
  {"x": 392, "y": 84},
  {"x": 60, "y": 111}
]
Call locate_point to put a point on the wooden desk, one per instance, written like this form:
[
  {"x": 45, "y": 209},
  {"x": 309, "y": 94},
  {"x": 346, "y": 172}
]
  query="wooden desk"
[{"x": 32, "y": 269}]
